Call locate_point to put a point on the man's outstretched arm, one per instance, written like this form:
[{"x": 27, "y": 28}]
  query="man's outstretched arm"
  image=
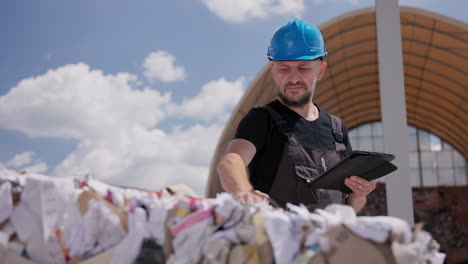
[{"x": 233, "y": 174}]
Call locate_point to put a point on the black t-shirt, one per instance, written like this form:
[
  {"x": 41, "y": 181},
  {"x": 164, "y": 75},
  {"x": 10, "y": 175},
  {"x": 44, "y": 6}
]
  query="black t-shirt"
[{"x": 260, "y": 129}]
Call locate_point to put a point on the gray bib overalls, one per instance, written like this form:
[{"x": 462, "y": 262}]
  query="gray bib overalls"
[{"x": 300, "y": 165}]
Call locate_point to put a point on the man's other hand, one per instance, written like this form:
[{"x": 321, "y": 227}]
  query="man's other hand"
[
  {"x": 251, "y": 197},
  {"x": 361, "y": 188}
]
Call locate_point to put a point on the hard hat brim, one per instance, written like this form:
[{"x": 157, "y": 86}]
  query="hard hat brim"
[{"x": 286, "y": 58}]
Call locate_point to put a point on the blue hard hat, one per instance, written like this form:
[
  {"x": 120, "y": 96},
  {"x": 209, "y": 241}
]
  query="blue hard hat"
[{"x": 297, "y": 40}]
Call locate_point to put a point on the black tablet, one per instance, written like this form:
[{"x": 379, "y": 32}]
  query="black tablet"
[{"x": 365, "y": 164}]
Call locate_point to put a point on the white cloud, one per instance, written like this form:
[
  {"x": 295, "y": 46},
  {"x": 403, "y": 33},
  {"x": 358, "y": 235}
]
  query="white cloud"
[
  {"x": 416, "y": 2},
  {"x": 341, "y": 2},
  {"x": 74, "y": 101},
  {"x": 116, "y": 126},
  {"x": 214, "y": 99},
  {"x": 160, "y": 65},
  {"x": 40, "y": 167},
  {"x": 243, "y": 10},
  {"x": 152, "y": 160},
  {"x": 20, "y": 159},
  {"x": 24, "y": 162}
]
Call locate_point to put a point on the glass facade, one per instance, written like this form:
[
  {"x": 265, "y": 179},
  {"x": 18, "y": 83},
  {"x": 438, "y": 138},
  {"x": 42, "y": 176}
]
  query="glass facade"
[{"x": 433, "y": 162}]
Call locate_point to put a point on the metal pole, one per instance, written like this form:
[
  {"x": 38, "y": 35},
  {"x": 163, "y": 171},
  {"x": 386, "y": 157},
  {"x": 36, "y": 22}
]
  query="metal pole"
[{"x": 393, "y": 106}]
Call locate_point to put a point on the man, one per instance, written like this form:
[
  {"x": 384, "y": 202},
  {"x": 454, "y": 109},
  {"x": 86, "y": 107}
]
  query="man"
[{"x": 290, "y": 142}]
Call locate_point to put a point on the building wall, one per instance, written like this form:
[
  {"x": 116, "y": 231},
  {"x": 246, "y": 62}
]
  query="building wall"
[{"x": 434, "y": 54}]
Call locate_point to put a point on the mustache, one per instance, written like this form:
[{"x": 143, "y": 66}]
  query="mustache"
[{"x": 294, "y": 84}]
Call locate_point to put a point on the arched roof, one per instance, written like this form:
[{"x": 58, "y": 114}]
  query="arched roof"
[{"x": 435, "y": 57}]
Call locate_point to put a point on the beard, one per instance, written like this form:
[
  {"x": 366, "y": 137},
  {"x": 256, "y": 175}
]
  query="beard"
[{"x": 298, "y": 103}]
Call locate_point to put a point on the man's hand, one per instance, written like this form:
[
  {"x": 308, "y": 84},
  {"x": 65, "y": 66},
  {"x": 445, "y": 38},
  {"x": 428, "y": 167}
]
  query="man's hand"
[
  {"x": 361, "y": 188},
  {"x": 251, "y": 197}
]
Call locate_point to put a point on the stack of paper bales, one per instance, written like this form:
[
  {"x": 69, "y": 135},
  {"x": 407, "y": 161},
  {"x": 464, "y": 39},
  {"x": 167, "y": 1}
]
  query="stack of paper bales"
[{"x": 64, "y": 220}]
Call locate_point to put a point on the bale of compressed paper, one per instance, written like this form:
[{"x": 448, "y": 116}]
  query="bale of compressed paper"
[{"x": 65, "y": 220}]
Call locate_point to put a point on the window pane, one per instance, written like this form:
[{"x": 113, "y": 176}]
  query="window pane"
[
  {"x": 413, "y": 160},
  {"x": 378, "y": 144},
  {"x": 412, "y": 143},
  {"x": 365, "y": 143},
  {"x": 352, "y": 133},
  {"x": 415, "y": 180},
  {"x": 364, "y": 130},
  {"x": 424, "y": 140},
  {"x": 458, "y": 159},
  {"x": 354, "y": 142},
  {"x": 429, "y": 177},
  {"x": 446, "y": 177},
  {"x": 436, "y": 145},
  {"x": 377, "y": 129},
  {"x": 460, "y": 176},
  {"x": 428, "y": 160},
  {"x": 444, "y": 159},
  {"x": 446, "y": 146},
  {"x": 411, "y": 130}
]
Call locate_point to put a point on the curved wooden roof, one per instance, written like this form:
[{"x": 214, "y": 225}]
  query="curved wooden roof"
[{"x": 435, "y": 57}]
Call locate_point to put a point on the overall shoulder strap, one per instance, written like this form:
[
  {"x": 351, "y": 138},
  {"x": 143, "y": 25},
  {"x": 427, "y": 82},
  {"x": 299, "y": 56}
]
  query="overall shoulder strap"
[
  {"x": 280, "y": 122},
  {"x": 337, "y": 133}
]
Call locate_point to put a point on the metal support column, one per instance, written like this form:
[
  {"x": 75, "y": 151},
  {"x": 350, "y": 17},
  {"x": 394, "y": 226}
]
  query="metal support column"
[{"x": 393, "y": 106}]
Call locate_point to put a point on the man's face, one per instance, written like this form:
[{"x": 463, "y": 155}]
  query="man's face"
[{"x": 296, "y": 80}]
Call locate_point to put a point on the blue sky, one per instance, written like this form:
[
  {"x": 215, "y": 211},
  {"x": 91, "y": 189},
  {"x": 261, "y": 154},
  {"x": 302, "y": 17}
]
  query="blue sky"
[{"x": 137, "y": 93}]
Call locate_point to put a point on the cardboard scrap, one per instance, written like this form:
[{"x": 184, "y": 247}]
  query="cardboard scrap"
[{"x": 346, "y": 247}]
